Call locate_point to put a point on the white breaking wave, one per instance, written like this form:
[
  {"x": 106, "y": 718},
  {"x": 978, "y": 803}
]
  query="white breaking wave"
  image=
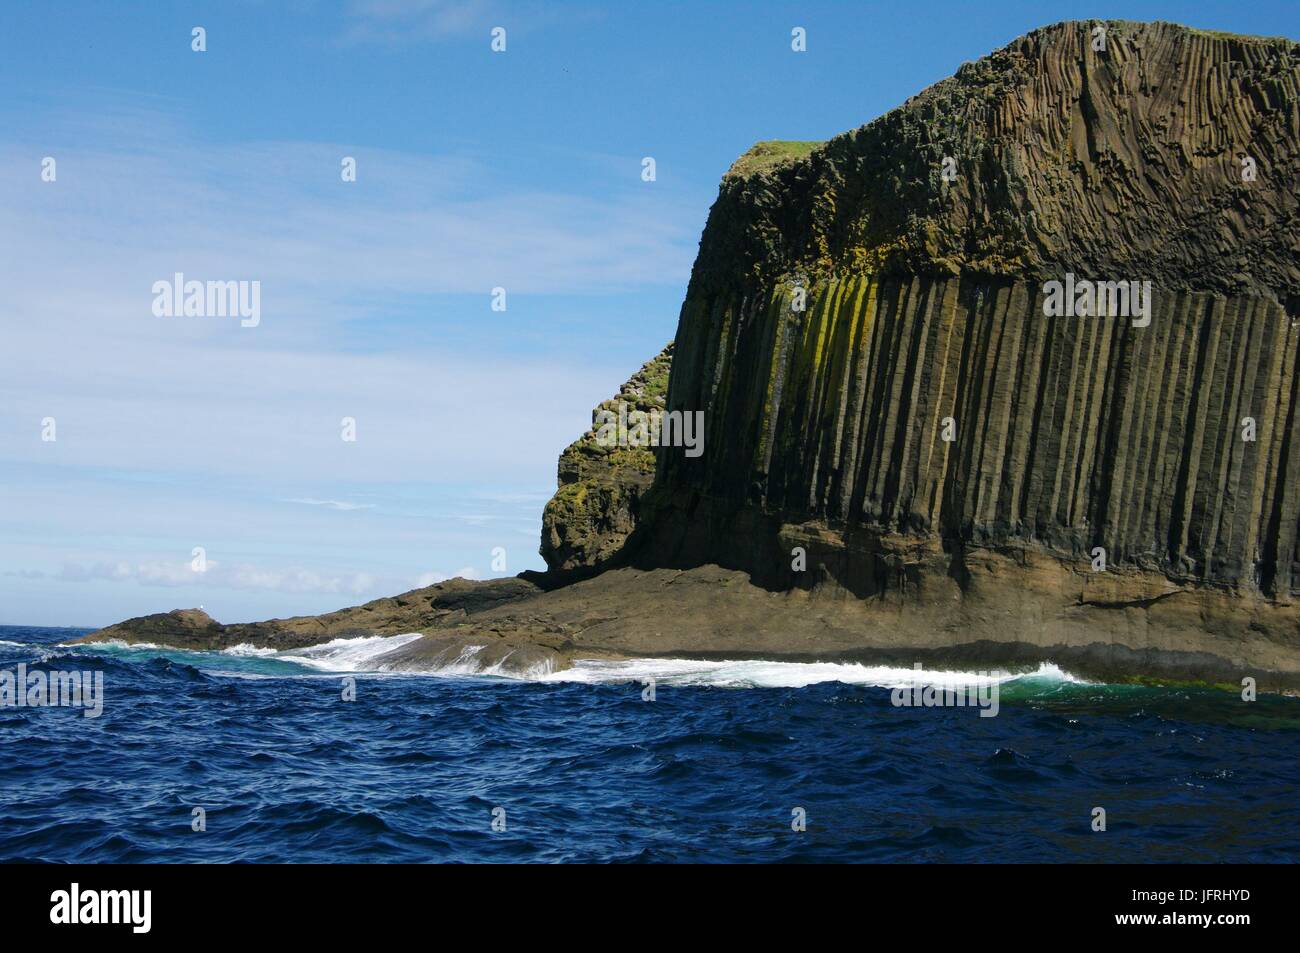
[
  {"x": 247, "y": 650},
  {"x": 339, "y": 655},
  {"x": 753, "y": 674},
  {"x": 468, "y": 663},
  {"x": 363, "y": 654},
  {"x": 115, "y": 644}
]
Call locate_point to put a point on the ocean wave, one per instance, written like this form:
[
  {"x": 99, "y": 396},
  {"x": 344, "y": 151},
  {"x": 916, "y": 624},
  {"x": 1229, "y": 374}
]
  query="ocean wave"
[
  {"x": 346, "y": 655},
  {"x": 248, "y": 650},
  {"x": 118, "y": 645},
  {"x": 365, "y": 655},
  {"x": 761, "y": 674},
  {"x": 368, "y": 655},
  {"x": 467, "y": 663},
  {"x": 250, "y": 661}
]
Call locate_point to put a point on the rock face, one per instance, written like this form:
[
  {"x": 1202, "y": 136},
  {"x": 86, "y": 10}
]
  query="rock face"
[
  {"x": 928, "y": 435},
  {"x": 598, "y": 502}
]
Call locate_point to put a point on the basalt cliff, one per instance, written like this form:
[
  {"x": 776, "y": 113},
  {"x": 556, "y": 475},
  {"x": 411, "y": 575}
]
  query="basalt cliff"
[{"x": 911, "y": 454}]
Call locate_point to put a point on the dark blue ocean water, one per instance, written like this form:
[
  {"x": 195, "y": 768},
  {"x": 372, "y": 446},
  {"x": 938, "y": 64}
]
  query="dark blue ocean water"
[{"x": 413, "y": 769}]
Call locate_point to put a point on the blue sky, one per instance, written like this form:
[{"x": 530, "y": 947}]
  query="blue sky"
[{"x": 475, "y": 170}]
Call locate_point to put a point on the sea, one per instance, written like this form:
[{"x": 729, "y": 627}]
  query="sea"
[{"x": 316, "y": 756}]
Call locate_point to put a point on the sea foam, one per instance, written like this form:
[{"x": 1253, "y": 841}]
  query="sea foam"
[
  {"x": 365, "y": 655},
  {"x": 761, "y": 674}
]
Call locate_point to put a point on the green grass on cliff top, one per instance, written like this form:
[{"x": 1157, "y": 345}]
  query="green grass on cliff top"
[{"x": 768, "y": 155}]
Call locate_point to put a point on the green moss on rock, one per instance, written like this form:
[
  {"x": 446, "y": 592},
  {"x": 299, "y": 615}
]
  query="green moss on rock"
[{"x": 600, "y": 488}]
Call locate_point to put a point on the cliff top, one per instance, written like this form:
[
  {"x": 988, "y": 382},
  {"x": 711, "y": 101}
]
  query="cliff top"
[
  {"x": 770, "y": 154},
  {"x": 1131, "y": 150}
]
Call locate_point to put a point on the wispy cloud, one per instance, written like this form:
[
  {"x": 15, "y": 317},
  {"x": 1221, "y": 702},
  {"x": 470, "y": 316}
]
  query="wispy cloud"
[
  {"x": 87, "y": 248},
  {"x": 221, "y": 576},
  {"x": 336, "y": 261},
  {"x": 335, "y": 504},
  {"x": 175, "y": 432},
  {"x": 411, "y": 21}
]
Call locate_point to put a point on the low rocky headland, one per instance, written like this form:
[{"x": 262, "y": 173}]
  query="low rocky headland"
[{"x": 914, "y": 450}]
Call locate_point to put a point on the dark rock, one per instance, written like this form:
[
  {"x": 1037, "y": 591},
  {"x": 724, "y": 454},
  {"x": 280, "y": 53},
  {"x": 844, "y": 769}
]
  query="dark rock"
[{"x": 598, "y": 501}]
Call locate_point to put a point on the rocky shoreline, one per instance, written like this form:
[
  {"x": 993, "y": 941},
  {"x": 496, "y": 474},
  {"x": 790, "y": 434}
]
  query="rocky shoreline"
[{"x": 517, "y": 627}]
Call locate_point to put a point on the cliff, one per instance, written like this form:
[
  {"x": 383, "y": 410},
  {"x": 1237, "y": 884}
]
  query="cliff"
[
  {"x": 924, "y": 303},
  {"x": 939, "y": 446},
  {"x": 598, "y": 502}
]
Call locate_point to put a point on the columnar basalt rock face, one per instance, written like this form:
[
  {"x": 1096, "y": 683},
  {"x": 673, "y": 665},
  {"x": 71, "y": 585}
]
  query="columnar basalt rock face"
[
  {"x": 598, "y": 502},
  {"x": 1075, "y": 432},
  {"x": 925, "y": 302}
]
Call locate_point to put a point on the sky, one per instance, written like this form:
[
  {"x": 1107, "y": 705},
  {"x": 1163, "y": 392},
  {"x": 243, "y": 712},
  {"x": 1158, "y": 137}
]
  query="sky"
[{"x": 130, "y": 439}]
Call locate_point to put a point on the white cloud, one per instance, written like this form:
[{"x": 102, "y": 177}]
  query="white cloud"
[
  {"x": 433, "y": 578},
  {"x": 221, "y": 576},
  {"x": 78, "y": 258},
  {"x": 173, "y": 432},
  {"x": 335, "y": 504}
]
